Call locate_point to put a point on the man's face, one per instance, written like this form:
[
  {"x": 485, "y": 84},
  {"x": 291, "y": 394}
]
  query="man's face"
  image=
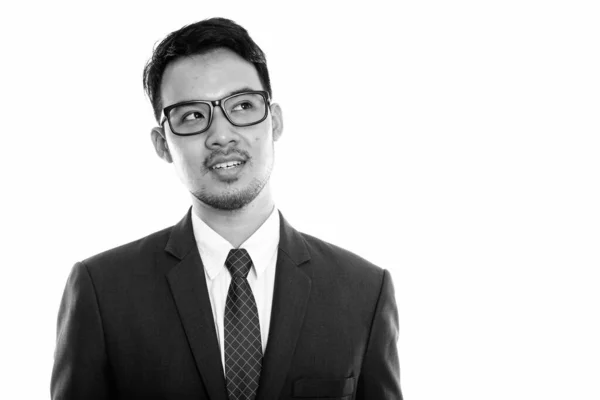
[{"x": 199, "y": 159}]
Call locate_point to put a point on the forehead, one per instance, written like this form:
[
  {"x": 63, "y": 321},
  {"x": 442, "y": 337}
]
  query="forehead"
[{"x": 207, "y": 76}]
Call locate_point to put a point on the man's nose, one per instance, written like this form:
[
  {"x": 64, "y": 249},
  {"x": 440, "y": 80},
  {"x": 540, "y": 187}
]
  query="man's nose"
[{"x": 220, "y": 133}]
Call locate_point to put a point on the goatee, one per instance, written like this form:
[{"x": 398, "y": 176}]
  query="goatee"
[{"x": 232, "y": 199}]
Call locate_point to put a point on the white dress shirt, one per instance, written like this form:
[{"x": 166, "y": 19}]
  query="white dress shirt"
[{"x": 262, "y": 247}]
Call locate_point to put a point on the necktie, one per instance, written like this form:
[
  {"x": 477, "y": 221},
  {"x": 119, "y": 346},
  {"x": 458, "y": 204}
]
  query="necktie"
[{"x": 243, "y": 348}]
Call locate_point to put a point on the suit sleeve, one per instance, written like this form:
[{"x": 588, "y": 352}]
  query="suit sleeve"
[
  {"x": 380, "y": 375},
  {"x": 80, "y": 362}
]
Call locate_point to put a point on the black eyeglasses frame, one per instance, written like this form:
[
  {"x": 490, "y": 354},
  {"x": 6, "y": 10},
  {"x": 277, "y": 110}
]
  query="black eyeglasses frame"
[{"x": 212, "y": 104}]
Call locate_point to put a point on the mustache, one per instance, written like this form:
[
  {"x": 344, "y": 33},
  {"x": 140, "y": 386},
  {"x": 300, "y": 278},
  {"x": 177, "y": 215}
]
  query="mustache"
[{"x": 215, "y": 153}]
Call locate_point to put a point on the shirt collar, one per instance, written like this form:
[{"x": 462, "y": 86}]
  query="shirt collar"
[{"x": 213, "y": 248}]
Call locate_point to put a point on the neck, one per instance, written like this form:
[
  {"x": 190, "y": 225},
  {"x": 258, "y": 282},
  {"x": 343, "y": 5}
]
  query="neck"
[{"x": 236, "y": 226}]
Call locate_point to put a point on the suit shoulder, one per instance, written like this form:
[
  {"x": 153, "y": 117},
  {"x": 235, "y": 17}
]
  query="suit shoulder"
[
  {"x": 331, "y": 254},
  {"x": 130, "y": 252}
]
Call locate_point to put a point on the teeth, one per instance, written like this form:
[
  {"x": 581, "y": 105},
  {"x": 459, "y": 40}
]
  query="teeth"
[{"x": 228, "y": 164}]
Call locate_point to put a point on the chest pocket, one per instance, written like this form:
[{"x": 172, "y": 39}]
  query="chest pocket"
[{"x": 309, "y": 388}]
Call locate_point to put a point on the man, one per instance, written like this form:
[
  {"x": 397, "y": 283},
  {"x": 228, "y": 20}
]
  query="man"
[{"x": 231, "y": 302}]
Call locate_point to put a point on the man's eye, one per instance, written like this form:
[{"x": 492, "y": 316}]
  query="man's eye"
[
  {"x": 243, "y": 106},
  {"x": 193, "y": 116}
]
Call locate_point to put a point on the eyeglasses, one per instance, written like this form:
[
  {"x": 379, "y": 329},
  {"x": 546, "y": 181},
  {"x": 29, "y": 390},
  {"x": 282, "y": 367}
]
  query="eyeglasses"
[{"x": 194, "y": 117}]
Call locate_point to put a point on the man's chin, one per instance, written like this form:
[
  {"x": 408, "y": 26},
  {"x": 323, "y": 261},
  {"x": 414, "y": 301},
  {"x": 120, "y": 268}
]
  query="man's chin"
[{"x": 228, "y": 200}]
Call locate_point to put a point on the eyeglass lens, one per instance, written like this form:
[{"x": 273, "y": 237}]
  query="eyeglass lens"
[{"x": 242, "y": 109}]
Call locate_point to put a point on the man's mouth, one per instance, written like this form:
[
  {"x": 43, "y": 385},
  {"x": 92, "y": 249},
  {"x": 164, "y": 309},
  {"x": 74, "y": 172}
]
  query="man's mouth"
[{"x": 227, "y": 165}]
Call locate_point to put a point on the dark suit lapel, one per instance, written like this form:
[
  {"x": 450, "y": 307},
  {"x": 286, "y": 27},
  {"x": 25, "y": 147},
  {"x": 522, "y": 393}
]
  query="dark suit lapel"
[
  {"x": 188, "y": 286},
  {"x": 290, "y": 297}
]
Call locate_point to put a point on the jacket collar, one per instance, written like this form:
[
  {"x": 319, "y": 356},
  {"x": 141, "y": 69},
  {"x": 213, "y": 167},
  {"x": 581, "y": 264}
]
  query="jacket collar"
[{"x": 182, "y": 240}]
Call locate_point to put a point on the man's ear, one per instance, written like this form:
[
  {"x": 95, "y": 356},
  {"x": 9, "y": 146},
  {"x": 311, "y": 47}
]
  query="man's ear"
[
  {"x": 160, "y": 144},
  {"x": 277, "y": 121}
]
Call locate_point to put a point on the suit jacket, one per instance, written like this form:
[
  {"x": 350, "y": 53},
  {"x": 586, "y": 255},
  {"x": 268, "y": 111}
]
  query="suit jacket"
[{"x": 135, "y": 322}]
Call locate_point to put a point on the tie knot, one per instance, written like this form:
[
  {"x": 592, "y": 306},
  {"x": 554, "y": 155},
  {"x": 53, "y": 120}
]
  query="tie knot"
[{"x": 238, "y": 263}]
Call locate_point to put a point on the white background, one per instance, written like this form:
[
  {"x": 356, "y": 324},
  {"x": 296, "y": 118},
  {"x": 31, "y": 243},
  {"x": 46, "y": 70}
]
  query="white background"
[{"x": 455, "y": 143}]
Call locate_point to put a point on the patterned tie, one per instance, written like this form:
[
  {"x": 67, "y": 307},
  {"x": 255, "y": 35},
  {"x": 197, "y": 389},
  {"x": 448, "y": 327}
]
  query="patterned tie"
[{"x": 243, "y": 347}]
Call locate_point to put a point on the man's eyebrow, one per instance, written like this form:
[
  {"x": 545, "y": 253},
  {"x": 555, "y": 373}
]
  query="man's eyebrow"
[
  {"x": 231, "y": 93},
  {"x": 241, "y": 90}
]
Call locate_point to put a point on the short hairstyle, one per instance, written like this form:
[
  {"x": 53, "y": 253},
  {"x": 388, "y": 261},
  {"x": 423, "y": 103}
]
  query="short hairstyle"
[{"x": 200, "y": 38}]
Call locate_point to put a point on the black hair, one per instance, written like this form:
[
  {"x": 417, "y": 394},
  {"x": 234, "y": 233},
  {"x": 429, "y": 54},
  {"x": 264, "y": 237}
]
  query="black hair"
[{"x": 199, "y": 38}]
